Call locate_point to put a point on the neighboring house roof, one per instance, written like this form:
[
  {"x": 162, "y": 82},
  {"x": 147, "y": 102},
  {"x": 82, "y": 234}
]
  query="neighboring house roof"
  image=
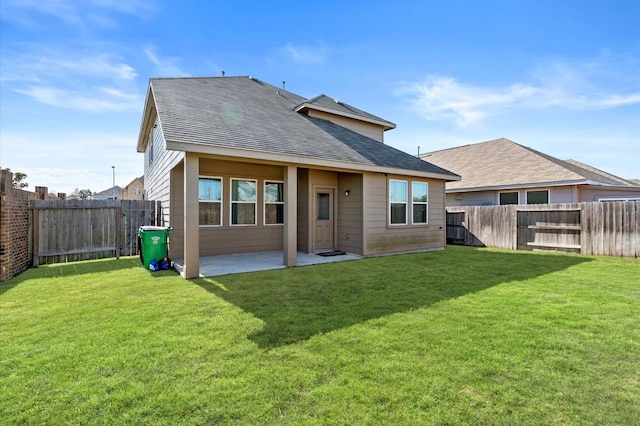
[
  {"x": 502, "y": 163},
  {"x": 108, "y": 193},
  {"x": 245, "y": 117}
]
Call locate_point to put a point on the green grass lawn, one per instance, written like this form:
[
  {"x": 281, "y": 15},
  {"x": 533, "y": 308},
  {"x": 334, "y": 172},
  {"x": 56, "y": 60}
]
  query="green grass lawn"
[{"x": 463, "y": 336}]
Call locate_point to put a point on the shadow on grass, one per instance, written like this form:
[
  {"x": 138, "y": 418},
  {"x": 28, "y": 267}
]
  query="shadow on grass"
[{"x": 297, "y": 303}]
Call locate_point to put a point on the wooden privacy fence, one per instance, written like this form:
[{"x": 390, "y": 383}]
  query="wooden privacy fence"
[
  {"x": 69, "y": 230},
  {"x": 598, "y": 228}
]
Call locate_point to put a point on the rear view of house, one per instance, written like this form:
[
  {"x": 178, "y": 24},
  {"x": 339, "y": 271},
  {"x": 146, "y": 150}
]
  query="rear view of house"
[{"x": 242, "y": 166}]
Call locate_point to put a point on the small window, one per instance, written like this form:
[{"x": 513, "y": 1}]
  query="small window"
[
  {"x": 509, "y": 198},
  {"x": 419, "y": 198},
  {"x": 210, "y": 201},
  {"x": 150, "y": 149},
  {"x": 273, "y": 203},
  {"x": 324, "y": 206},
  {"x": 398, "y": 202},
  {"x": 538, "y": 197},
  {"x": 243, "y": 202}
]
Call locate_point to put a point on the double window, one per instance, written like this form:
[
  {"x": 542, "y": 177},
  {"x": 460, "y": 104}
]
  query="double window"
[{"x": 399, "y": 202}]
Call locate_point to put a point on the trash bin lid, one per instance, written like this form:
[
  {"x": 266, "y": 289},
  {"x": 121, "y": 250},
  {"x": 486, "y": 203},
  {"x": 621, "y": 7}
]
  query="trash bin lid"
[{"x": 155, "y": 228}]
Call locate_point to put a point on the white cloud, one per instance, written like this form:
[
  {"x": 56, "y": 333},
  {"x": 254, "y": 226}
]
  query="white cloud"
[
  {"x": 305, "y": 54},
  {"x": 553, "y": 86},
  {"x": 77, "y": 13},
  {"x": 164, "y": 66},
  {"x": 95, "y": 100}
]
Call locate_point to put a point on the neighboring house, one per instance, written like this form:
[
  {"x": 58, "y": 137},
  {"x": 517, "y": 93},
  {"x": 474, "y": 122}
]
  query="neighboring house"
[
  {"x": 243, "y": 166},
  {"x": 114, "y": 192},
  {"x": 503, "y": 172},
  {"x": 135, "y": 189}
]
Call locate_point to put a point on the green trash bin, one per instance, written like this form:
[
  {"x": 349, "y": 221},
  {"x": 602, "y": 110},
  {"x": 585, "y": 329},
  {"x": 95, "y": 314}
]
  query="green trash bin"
[{"x": 153, "y": 242}]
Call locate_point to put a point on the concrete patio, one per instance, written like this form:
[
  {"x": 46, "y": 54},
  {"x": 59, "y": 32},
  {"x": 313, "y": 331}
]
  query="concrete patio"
[{"x": 250, "y": 262}]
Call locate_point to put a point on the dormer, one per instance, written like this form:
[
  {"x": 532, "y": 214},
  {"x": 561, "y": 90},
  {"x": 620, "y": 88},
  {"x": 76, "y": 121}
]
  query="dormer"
[{"x": 345, "y": 115}]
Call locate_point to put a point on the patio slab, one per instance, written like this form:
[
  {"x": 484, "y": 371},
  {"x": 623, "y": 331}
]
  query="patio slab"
[{"x": 211, "y": 266}]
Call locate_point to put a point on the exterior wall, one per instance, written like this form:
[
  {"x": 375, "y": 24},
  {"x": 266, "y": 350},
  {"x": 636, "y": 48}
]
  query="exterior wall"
[
  {"x": 157, "y": 164},
  {"x": 557, "y": 194},
  {"x": 382, "y": 238},
  {"x": 227, "y": 239},
  {"x": 134, "y": 191},
  {"x": 370, "y": 130},
  {"x": 304, "y": 211},
  {"x": 15, "y": 227},
  {"x": 350, "y": 208},
  {"x": 587, "y": 194}
]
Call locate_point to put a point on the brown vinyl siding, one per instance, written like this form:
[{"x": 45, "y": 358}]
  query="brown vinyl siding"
[
  {"x": 349, "y": 221},
  {"x": 369, "y": 130},
  {"x": 303, "y": 211},
  {"x": 382, "y": 238},
  {"x": 228, "y": 239}
]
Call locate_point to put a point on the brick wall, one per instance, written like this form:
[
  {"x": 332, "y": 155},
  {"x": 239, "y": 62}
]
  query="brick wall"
[{"x": 15, "y": 256}]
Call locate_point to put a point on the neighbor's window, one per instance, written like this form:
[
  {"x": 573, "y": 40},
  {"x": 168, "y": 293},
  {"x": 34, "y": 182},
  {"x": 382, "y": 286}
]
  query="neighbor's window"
[
  {"x": 210, "y": 201},
  {"x": 273, "y": 203},
  {"x": 419, "y": 197},
  {"x": 397, "y": 202},
  {"x": 538, "y": 197},
  {"x": 243, "y": 202},
  {"x": 509, "y": 198}
]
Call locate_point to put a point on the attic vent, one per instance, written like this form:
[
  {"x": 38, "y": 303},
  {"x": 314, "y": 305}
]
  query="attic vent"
[{"x": 336, "y": 101}]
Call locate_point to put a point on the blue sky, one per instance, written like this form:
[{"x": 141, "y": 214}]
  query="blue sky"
[{"x": 562, "y": 77}]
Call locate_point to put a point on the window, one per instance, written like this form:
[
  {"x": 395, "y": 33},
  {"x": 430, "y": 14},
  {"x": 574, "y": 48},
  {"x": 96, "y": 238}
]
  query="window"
[
  {"x": 273, "y": 203},
  {"x": 243, "y": 202},
  {"x": 210, "y": 201},
  {"x": 509, "y": 198},
  {"x": 323, "y": 206},
  {"x": 397, "y": 202},
  {"x": 419, "y": 197},
  {"x": 538, "y": 197}
]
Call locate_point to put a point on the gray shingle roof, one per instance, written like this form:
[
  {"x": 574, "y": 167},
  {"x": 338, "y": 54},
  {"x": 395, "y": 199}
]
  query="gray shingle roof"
[
  {"x": 503, "y": 163},
  {"x": 246, "y": 113}
]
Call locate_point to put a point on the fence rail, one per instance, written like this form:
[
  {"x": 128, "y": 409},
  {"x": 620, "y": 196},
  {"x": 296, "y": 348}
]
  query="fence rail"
[
  {"x": 599, "y": 228},
  {"x": 70, "y": 230}
]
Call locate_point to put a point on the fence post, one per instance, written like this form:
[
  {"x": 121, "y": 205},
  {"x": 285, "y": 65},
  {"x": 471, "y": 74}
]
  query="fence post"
[{"x": 118, "y": 241}]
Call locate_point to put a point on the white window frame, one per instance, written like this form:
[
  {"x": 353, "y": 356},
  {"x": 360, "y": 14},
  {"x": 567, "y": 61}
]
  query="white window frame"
[
  {"x": 420, "y": 203},
  {"x": 254, "y": 202},
  {"x": 211, "y": 225},
  {"x": 406, "y": 202},
  {"x": 264, "y": 210},
  {"x": 538, "y": 190},
  {"x": 508, "y": 192}
]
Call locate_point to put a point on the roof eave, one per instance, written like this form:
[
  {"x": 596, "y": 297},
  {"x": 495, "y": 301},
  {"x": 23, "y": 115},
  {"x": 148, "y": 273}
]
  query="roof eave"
[
  {"x": 271, "y": 157},
  {"x": 387, "y": 125},
  {"x": 147, "y": 120},
  {"x": 518, "y": 186}
]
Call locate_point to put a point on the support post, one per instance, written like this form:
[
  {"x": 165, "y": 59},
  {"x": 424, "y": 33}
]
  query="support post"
[
  {"x": 290, "y": 216},
  {"x": 191, "y": 224}
]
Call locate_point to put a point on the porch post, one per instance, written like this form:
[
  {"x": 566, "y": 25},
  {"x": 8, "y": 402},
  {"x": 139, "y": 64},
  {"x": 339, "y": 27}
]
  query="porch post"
[
  {"x": 191, "y": 221},
  {"x": 290, "y": 216}
]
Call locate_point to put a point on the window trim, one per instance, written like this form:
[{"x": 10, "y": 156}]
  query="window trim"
[
  {"x": 508, "y": 192},
  {"x": 406, "y": 202},
  {"x": 264, "y": 202},
  {"x": 425, "y": 203},
  {"x": 231, "y": 202},
  {"x": 212, "y": 201},
  {"x": 538, "y": 190}
]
